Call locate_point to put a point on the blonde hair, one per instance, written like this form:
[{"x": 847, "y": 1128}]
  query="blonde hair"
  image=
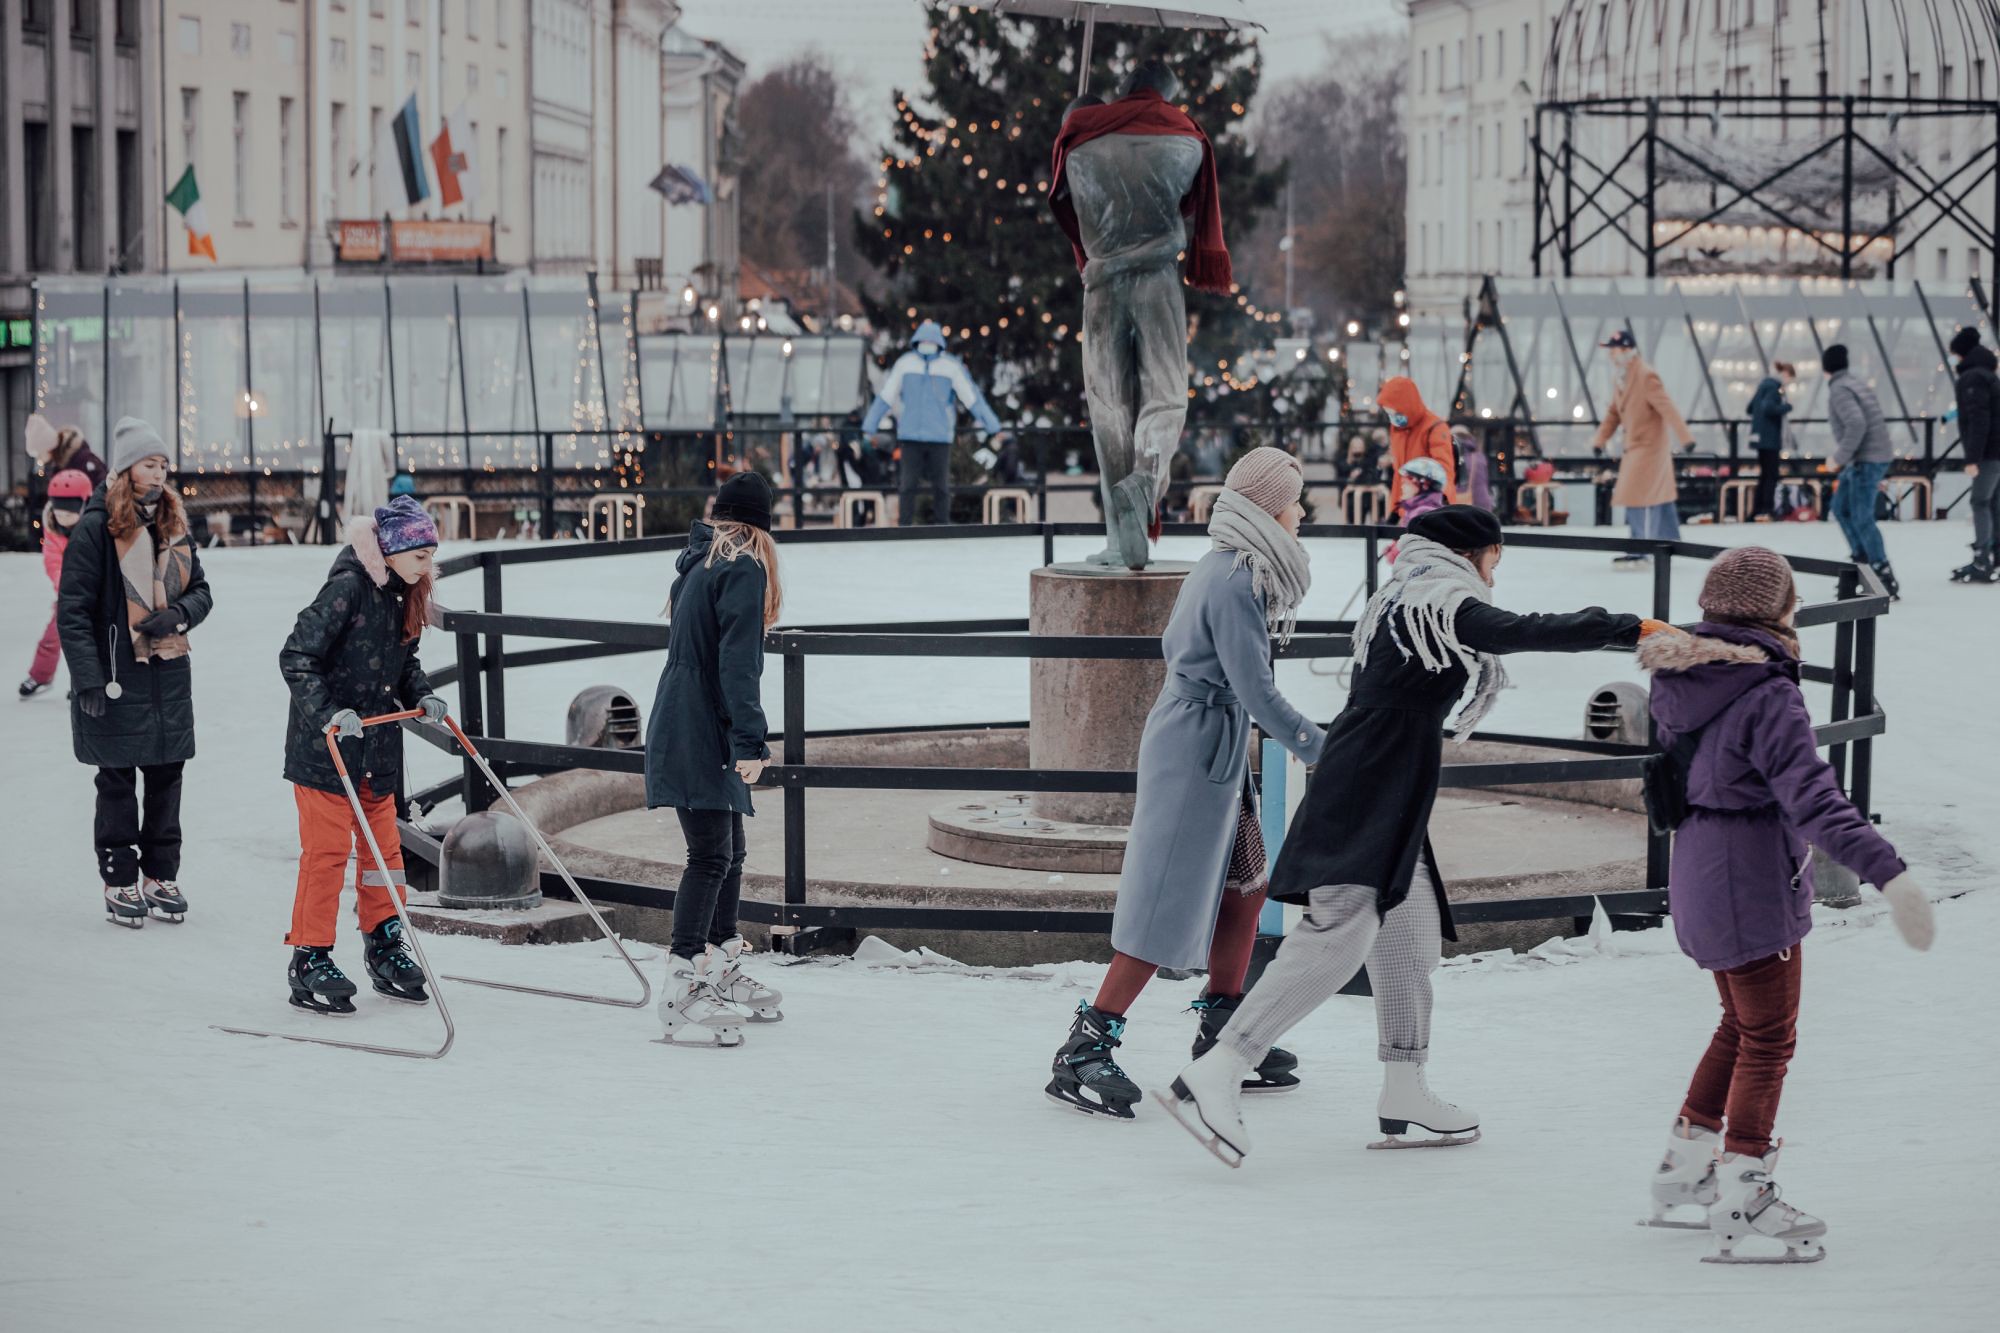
[{"x": 735, "y": 539}]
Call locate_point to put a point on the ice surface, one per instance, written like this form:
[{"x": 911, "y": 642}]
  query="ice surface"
[{"x": 887, "y": 1150}]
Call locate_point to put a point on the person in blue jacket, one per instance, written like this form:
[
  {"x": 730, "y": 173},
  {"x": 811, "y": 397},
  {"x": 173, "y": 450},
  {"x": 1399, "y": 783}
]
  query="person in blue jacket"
[{"x": 923, "y": 392}]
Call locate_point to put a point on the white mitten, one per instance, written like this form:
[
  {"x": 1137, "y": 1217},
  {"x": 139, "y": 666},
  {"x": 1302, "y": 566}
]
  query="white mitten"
[{"x": 1911, "y": 911}]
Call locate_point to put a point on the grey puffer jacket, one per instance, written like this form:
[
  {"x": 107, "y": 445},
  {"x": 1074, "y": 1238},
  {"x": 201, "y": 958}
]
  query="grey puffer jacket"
[{"x": 1859, "y": 433}]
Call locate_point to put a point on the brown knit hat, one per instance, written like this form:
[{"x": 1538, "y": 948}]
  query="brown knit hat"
[
  {"x": 1750, "y": 585},
  {"x": 1269, "y": 478}
]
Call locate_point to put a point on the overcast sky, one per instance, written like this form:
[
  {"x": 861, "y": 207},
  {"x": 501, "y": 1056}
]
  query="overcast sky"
[{"x": 878, "y": 43}]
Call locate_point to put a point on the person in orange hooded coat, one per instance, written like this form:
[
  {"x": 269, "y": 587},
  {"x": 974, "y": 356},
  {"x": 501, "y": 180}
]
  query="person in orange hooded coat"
[{"x": 1420, "y": 433}]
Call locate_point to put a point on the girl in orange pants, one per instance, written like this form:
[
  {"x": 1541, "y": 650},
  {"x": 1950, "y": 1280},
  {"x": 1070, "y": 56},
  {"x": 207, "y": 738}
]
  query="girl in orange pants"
[{"x": 353, "y": 653}]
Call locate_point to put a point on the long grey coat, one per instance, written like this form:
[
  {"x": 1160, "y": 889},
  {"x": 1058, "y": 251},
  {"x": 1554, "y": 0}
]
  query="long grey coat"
[{"x": 1193, "y": 759}]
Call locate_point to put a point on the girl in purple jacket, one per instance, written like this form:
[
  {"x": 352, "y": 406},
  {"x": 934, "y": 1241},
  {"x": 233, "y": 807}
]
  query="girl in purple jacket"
[{"x": 1760, "y": 800}]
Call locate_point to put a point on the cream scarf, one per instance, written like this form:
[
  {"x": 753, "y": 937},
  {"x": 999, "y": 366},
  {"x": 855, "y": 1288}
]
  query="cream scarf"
[
  {"x": 1280, "y": 569},
  {"x": 1429, "y": 585}
]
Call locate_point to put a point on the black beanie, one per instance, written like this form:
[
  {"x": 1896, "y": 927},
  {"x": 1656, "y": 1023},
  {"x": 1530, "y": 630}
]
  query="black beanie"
[
  {"x": 1834, "y": 359},
  {"x": 1964, "y": 340},
  {"x": 1459, "y": 528},
  {"x": 744, "y": 498}
]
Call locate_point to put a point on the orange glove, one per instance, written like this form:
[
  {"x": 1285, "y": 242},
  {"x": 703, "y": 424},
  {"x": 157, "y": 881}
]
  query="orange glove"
[{"x": 1647, "y": 628}]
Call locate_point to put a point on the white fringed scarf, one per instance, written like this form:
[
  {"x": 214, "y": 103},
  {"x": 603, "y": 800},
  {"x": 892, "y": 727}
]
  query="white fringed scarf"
[
  {"x": 1280, "y": 569},
  {"x": 1430, "y": 583}
]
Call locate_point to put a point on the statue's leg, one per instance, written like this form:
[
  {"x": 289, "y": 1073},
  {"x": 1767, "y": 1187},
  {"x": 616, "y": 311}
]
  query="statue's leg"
[
  {"x": 1111, "y": 386},
  {"x": 1160, "y": 322}
]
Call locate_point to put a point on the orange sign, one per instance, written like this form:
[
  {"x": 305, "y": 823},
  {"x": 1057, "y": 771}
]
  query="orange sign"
[
  {"x": 440, "y": 242},
  {"x": 358, "y": 242}
]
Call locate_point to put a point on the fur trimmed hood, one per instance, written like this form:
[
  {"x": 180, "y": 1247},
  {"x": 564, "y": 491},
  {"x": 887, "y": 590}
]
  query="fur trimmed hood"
[
  {"x": 367, "y": 546},
  {"x": 1685, "y": 652},
  {"x": 1696, "y": 677}
]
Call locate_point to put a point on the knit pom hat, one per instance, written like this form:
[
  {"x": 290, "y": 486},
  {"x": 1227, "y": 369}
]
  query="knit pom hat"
[
  {"x": 41, "y": 438},
  {"x": 1749, "y": 586},
  {"x": 404, "y": 525},
  {"x": 1269, "y": 478}
]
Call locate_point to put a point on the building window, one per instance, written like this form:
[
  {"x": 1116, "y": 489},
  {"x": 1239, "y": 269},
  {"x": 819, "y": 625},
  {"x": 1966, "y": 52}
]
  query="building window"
[
  {"x": 190, "y": 125},
  {"x": 1500, "y": 52},
  {"x": 288, "y": 48},
  {"x": 378, "y": 60},
  {"x": 1527, "y": 44},
  {"x": 413, "y": 70},
  {"x": 1423, "y": 71},
  {"x": 82, "y": 23},
  {"x": 500, "y": 23},
  {"x": 1527, "y": 146},
  {"x": 1458, "y": 65},
  {"x": 1943, "y": 264},
  {"x": 472, "y": 78},
  {"x": 375, "y": 174},
  {"x": 337, "y": 133},
  {"x": 1972, "y": 261},
  {"x": 499, "y": 205},
  {"x": 472, "y": 18},
  {"x": 377, "y": 8},
  {"x": 505, "y": 85},
  {"x": 35, "y": 18},
  {"x": 285, "y": 210},
  {"x": 336, "y": 53},
  {"x": 1478, "y": 151},
  {"x": 240, "y": 128},
  {"x": 413, "y": 13},
  {"x": 1479, "y": 57},
  {"x": 126, "y": 16},
  {"x": 190, "y": 30},
  {"x": 239, "y": 39}
]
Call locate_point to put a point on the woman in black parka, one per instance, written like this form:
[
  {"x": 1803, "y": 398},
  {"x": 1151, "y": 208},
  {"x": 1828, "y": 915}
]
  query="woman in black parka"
[
  {"x": 705, "y": 748},
  {"x": 1361, "y": 833},
  {"x": 132, "y": 589}
]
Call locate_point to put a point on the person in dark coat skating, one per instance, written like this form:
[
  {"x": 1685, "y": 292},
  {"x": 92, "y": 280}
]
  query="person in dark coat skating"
[
  {"x": 1762, "y": 805},
  {"x": 705, "y": 748},
  {"x": 1976, "y": 390},
  {"x": 1193, "y": 879},
  {"x": 132, "y": 590},
  {"x": 352, "y": 653},
  {"x": 1360, "y": 837}
]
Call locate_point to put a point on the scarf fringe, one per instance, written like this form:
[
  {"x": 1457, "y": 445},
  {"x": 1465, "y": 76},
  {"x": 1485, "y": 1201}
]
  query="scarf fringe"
[
  {"x": 1208, "y": 270},
  {"x": 1428, "y": 587}
]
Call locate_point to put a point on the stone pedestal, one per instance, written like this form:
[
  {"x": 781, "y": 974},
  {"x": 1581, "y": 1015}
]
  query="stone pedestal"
[{"x": 1090, "y": 713}]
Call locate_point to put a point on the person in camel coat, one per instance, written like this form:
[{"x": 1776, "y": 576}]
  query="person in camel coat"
[{"x": 1646, "y": 487}]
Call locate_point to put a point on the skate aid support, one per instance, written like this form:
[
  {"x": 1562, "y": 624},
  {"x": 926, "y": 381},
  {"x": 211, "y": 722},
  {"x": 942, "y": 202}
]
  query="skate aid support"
[
  {"x": 395, "y": 899},
  {"x": 645, "y": 986}
]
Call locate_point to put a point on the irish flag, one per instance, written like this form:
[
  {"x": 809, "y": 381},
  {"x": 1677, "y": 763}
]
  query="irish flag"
[
  {"x": 451, "y": 151},
  {"x": 185, "y": 198}
]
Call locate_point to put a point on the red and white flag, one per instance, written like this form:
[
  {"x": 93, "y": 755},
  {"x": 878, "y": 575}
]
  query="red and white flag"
[{"x": 451, "y": 153}]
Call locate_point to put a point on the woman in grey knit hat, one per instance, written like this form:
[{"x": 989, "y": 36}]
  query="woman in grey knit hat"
[{"x": 1193, "y": 879}]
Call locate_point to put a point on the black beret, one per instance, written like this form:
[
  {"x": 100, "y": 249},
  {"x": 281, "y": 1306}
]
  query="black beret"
[{"x": 1459, "y": 528}]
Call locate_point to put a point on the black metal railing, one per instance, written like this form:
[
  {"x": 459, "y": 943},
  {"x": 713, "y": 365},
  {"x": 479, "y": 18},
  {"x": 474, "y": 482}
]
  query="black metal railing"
[{"x": 483, "y": 663}]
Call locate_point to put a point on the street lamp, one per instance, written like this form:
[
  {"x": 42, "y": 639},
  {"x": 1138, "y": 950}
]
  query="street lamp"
[
  {"x": 1353, "y": 327},
  {"x": 688, "y": 296},
  {"x": 714, "y": 313}
]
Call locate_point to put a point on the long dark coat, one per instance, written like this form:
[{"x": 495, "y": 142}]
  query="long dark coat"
[
  {"x": 708, "y": 711},
  {"x": 1367, "y": 808},
  {"x": 152, "y": 719},
  {"x": 346, "y": 650}
]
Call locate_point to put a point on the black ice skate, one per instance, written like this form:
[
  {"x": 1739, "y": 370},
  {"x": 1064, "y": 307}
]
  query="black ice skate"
[
  {"x": 1273, "y": 1075},
  {"x": 390, "y": 967},
  {"x": 123, "y": 906},
  {"x": 163, "y": 898},
  {"x": 318, "y": 983},
  {"x": 1888, "y": 577},
  {"x": 1087, "y": 1078},
  {"x": 31, "y": 687},
  {"x": 1981, "y": 570}
]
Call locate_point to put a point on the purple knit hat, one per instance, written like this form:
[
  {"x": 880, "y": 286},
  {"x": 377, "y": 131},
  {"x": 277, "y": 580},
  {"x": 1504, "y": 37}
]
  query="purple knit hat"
[
  {"x": 1750, "y": 585},
  {"x": 404, "y": 525}
]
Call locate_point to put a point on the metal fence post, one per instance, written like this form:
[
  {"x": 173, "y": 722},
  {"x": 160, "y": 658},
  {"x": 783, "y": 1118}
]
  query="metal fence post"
[
  {"x": 794, "y": 754},
  {"x": 472, "y": 716},
  {"x": 494, "y": 664},
  {"x": 1663, "y": 582},
  {"x": 1371, "y": 577},
  {"x": 548, "y": 485},
  {"x": 1843, "y": 678},
  {"x": 1861, "y": 779}
]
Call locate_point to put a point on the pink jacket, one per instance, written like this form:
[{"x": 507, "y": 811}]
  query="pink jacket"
[{"x": 55, "y": 540}]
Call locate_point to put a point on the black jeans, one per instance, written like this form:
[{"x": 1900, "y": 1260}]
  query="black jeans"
[
  {"x": 1768, "y": 463},
  {"x": 925, "y": 466},
  {"x": 130, "y": 838},
  {"x": 705, "y": 905}
]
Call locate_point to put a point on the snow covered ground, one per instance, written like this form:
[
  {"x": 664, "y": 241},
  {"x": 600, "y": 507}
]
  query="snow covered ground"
[{"x": 884, "y": 1159}]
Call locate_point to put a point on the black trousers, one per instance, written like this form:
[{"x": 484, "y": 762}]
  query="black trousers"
[
  {"x": 712, "y": 884},
  {"x": 925, "y": 466},
  {"x": 136, "y": 836},
  {"x": 1768, "y": 463}
]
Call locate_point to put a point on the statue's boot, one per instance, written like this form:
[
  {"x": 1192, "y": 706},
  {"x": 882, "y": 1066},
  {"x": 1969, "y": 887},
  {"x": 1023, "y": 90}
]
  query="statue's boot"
[{"x": 1130, "y": 520}]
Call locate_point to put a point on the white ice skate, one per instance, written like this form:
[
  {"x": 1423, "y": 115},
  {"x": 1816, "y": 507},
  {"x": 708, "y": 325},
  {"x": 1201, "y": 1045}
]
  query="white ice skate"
[
  {"x": 163, "y": 898},
  {"x": 692, "y": 1013},
  {"x": 745, "y": 992},
  {"x": 123, "y": 906},
  {"x": 1685, "y": 1180},
  {"x": 1207, "y": 1101},
  {"x": 1749, "y": 1206},
  {"x": 1407, "y": 1100}
]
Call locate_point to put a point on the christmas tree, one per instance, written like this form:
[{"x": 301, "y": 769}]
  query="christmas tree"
[{"x": 962, "y": 226}]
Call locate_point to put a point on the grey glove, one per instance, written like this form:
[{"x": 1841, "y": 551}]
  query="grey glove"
[
  {"x": 433, "y": 709},
  {"x": 347, "y": 723},
  {"x": 91, "y": 702}
]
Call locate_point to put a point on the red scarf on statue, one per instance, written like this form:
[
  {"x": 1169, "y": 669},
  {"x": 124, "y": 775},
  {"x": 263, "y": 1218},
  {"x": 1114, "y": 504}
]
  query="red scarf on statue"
[{"x": 1146, "y": 112}]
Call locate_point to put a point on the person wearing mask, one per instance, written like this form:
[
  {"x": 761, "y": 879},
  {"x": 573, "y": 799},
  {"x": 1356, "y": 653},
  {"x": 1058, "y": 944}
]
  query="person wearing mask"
[
  {"x": 1762, "y": 806},
  {"x": 1768, "y": 408},
  {"x": 1415, "y": 432},
  {"x": 1193, "y": 880},
  {"x": 1861, "y": 455},
  {"x": 68, "y": 490},
  {"x": 924, "y": 391},
  {"x": 132, "y": 591},
  {"x": 1978, "y": 392},
  {"x": 1647, "y": 488}
]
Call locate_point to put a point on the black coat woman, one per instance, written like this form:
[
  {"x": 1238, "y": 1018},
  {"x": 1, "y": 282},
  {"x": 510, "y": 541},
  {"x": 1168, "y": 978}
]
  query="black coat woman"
[
  {"x": 132, "y": 589},
  {"x": 705, "y": 749},
  {"x": 1361, "y": 833}
]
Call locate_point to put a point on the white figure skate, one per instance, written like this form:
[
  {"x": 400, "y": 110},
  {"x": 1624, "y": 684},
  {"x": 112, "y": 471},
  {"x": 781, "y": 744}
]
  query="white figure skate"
[
  {"x": 1749, "y": 1206},
  {"x": 1408, "y": 1100},
  {"x": 745, "y": 992},
  {"x": 1685, "y": 1179},
  {"x": 163, "y": 898},
  {"x": 1206, "y": 1100},
  {"x": 692, "y": 1013}
]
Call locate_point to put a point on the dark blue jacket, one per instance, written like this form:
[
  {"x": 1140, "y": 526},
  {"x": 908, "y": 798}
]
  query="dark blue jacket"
[
  {"x": 708, "y": 711},
  {"x": 1768, "y": 407}
]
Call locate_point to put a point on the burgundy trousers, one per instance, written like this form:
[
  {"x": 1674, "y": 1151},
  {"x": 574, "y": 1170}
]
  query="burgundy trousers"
[{"x": 1736, "y": 1085}]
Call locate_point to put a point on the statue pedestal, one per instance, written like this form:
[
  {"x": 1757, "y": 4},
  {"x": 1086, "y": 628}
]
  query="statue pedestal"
[{"x": 1090, "y": 713}]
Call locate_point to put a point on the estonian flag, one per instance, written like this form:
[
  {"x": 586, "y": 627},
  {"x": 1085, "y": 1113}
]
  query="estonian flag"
[{"x": 410, "y": 153}]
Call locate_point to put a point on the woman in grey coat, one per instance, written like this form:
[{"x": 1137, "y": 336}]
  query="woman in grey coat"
[{"x": 1193, "y": 881}]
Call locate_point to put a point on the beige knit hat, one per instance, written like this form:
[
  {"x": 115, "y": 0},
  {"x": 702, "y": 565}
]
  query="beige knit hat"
[
  {"x": 41, "y": 438},
  {"x": 1269, "y": 478},
  {"x": 1751, "y": 585}
]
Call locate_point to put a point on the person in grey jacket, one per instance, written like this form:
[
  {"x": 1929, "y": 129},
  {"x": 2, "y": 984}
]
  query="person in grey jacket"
[
  {"x": 1194, "y": 877},
  {"x": 1862, "y": 455}
]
